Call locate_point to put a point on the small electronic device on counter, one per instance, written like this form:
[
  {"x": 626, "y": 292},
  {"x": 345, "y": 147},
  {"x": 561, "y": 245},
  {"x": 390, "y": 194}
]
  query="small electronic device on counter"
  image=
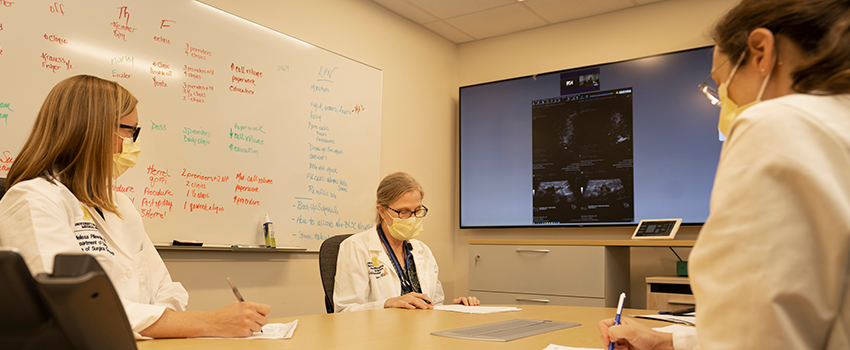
[{"x": 657, "y": 229}]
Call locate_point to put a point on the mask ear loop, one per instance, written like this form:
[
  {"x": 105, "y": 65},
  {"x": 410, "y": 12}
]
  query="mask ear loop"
[
  {"x": 767, "y": 79},
  {"x": 729, "y": 79}
]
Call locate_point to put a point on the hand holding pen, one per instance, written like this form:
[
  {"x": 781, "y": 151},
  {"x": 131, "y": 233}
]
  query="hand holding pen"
[
  {"x": 620, "y": 333},
  {"x": 243, "y": 317},
  {"x": 410, "y": 301}
]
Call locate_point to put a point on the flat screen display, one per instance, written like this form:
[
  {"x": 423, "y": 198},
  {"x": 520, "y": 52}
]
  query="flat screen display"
[{"x": 610, "y": 144}]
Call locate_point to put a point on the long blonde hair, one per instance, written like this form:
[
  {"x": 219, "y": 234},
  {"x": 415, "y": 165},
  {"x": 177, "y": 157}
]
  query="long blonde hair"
[
  {"x": 392, "y": 187},
  {"x": 71, "y": 139}
]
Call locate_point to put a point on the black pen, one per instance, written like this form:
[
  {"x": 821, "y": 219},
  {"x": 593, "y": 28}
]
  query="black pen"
[{"x": 683, "y": 311}]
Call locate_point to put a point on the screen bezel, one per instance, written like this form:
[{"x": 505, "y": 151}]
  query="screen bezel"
[{"x": 533, "y": 76}]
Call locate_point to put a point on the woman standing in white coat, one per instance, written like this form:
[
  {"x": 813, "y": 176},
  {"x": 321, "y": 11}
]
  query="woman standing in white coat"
[
  {"x": 384, "y": 267},
  {"x": 771, "y": 266},
  {"x": 60, "y": 199}
]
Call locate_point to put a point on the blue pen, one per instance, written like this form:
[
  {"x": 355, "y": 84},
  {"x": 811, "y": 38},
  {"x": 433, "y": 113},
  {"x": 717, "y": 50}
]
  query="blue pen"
[{"x": 619, "y": 313}]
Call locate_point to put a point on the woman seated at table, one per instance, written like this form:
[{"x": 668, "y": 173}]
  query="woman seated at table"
[
  {"x": 60, "y": 199},
  {"x": 384, "y": 267}
]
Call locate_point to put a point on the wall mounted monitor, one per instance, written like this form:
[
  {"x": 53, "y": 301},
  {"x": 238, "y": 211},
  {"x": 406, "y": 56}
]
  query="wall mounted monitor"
[{"x": 610, "y": 144}]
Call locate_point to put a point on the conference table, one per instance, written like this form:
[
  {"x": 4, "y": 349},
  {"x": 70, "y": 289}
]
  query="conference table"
[{"x": 411, "y": 329}]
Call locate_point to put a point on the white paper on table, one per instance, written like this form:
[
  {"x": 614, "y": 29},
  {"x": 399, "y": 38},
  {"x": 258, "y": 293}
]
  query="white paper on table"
[
  {"x": 673, "y": 328},
  {"x": 668, "y": 329},
  {"x": 559, "y": 347},
  {"x": 476, "y": 309},
  {"x": 271, "y": 331}
]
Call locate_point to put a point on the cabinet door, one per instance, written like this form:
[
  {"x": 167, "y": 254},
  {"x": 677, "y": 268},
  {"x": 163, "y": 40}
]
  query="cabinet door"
[
  {"x": 536, "y": 299},
  {"x": 577, "y": 271}
]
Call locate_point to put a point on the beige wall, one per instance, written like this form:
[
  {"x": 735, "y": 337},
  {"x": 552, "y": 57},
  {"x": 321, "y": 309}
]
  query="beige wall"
[{"x": 421, "y": 76}]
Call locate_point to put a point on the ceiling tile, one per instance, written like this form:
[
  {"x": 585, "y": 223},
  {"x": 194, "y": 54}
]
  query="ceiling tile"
[
  {"x": 447, "y": 31},
  {"x": 453, "y": 8},
  {"x": 407, "y": 10},
  {"x": 557, "y": 11},
  {"x": 498, "y": 21}
]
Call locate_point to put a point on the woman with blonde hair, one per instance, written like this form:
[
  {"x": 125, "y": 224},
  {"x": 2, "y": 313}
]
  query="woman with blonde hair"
[
  {"x": 771, "y": 265},
  {"x": 59, "y": 199},
  {"x": 385, "y": 267}
]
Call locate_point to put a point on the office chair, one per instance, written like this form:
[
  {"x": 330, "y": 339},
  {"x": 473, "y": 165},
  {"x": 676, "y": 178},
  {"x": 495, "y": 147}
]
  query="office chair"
[{"x": 327, "y": 267}]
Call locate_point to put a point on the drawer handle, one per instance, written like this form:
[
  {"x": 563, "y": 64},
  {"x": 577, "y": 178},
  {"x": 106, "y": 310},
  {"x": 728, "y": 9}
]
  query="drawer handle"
[
  {"x": 532, "y": 250},
  {"x": 545, "y": 301},
  {"x": 681, "y": 302}
]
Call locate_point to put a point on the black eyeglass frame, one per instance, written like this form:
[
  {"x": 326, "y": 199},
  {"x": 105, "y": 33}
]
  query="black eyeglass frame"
[
  {"x": 136, "y": 130},
  {"x": 710, "y": 92},
  {"x": 423, "y": 209}
]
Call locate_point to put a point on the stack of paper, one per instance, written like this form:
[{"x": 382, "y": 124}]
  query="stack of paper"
[
  {"x": 559, "y": 347},
  {"x": 690, "y": 320},
  {"x": 475, "y": 309}
]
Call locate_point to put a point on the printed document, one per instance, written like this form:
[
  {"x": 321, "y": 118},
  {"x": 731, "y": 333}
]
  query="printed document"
[
  {"x": 475, "y": 309},
  {"x": 270, "y": 331}
]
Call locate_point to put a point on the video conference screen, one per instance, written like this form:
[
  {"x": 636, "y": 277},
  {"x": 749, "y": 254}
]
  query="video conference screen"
[{"x": 611, "y": 144}]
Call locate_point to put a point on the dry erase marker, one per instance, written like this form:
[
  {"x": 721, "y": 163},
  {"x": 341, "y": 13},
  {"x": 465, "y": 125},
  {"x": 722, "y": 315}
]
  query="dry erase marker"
[{"x": 617, "y": 317}]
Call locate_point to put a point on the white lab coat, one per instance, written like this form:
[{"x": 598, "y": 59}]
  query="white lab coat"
[
  {"x": 366, "y": 278},
  {"x": 42, "y": 219},
  {"x": 770, "y": 267}
]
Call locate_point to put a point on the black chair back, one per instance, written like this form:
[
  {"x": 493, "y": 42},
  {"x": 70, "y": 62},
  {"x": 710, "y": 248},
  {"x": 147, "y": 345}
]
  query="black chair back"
[
  {"x": 74, "y": 308},
  {"x": 327, "y": 267}
]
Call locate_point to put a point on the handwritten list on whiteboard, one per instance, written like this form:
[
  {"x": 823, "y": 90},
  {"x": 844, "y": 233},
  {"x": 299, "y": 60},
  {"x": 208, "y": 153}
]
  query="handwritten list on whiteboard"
[{"x": 237, "y": 120}]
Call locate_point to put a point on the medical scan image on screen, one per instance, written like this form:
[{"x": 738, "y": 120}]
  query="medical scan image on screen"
[
  {"x": 607, "y": 144},
  {"x": 582, "y": 158}
]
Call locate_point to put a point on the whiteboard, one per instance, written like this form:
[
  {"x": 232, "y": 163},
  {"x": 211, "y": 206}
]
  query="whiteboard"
[{"x": 237, "y": 120}]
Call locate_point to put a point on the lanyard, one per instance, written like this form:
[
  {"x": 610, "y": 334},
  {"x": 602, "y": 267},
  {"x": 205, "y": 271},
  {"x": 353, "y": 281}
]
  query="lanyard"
[{"x": 404, "y": 275}]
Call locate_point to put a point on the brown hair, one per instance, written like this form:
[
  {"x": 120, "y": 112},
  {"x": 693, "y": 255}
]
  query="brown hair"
[
  {"x": 71, "y": 139},
  {"x": 820, "y": 29},
  {"x": 392, "y": 187}
]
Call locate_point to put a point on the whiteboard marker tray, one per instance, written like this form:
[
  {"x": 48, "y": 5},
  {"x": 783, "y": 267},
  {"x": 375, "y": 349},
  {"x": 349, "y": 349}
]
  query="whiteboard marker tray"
[{"x": 506, "y": 330}]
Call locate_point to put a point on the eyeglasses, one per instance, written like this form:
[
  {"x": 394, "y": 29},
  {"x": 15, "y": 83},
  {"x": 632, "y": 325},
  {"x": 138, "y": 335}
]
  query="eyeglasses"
[
  {"x": 404, "y": 214},
  {"x": 710, "y": 92},
  {"x": 135, "y": 129}
]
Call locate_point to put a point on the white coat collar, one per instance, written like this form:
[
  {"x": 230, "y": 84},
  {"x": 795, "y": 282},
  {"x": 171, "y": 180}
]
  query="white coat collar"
[{"x": 102, "y": 226}]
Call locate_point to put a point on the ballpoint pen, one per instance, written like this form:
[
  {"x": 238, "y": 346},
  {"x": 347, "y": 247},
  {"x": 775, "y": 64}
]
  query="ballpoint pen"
[
  {"x": 235, "y": 290},
  {"x": 237, "y": 294},
  {"x": 617, "y": 317}
]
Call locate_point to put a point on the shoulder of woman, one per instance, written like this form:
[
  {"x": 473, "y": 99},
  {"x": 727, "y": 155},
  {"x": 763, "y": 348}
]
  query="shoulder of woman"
[
  {"x": 37, "y": 187},
  {"x": 789, "y": 116}
]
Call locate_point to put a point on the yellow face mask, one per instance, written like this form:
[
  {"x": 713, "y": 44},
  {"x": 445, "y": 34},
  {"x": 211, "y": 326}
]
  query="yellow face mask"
[
  {"x": 125, "y": 160},
  {"x": 406, "y": 229},
  {"x": 729, "y": 110}
]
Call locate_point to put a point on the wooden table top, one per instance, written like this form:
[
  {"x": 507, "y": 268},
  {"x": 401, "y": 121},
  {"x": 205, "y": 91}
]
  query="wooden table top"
[{"x": 411, "y": 329}]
